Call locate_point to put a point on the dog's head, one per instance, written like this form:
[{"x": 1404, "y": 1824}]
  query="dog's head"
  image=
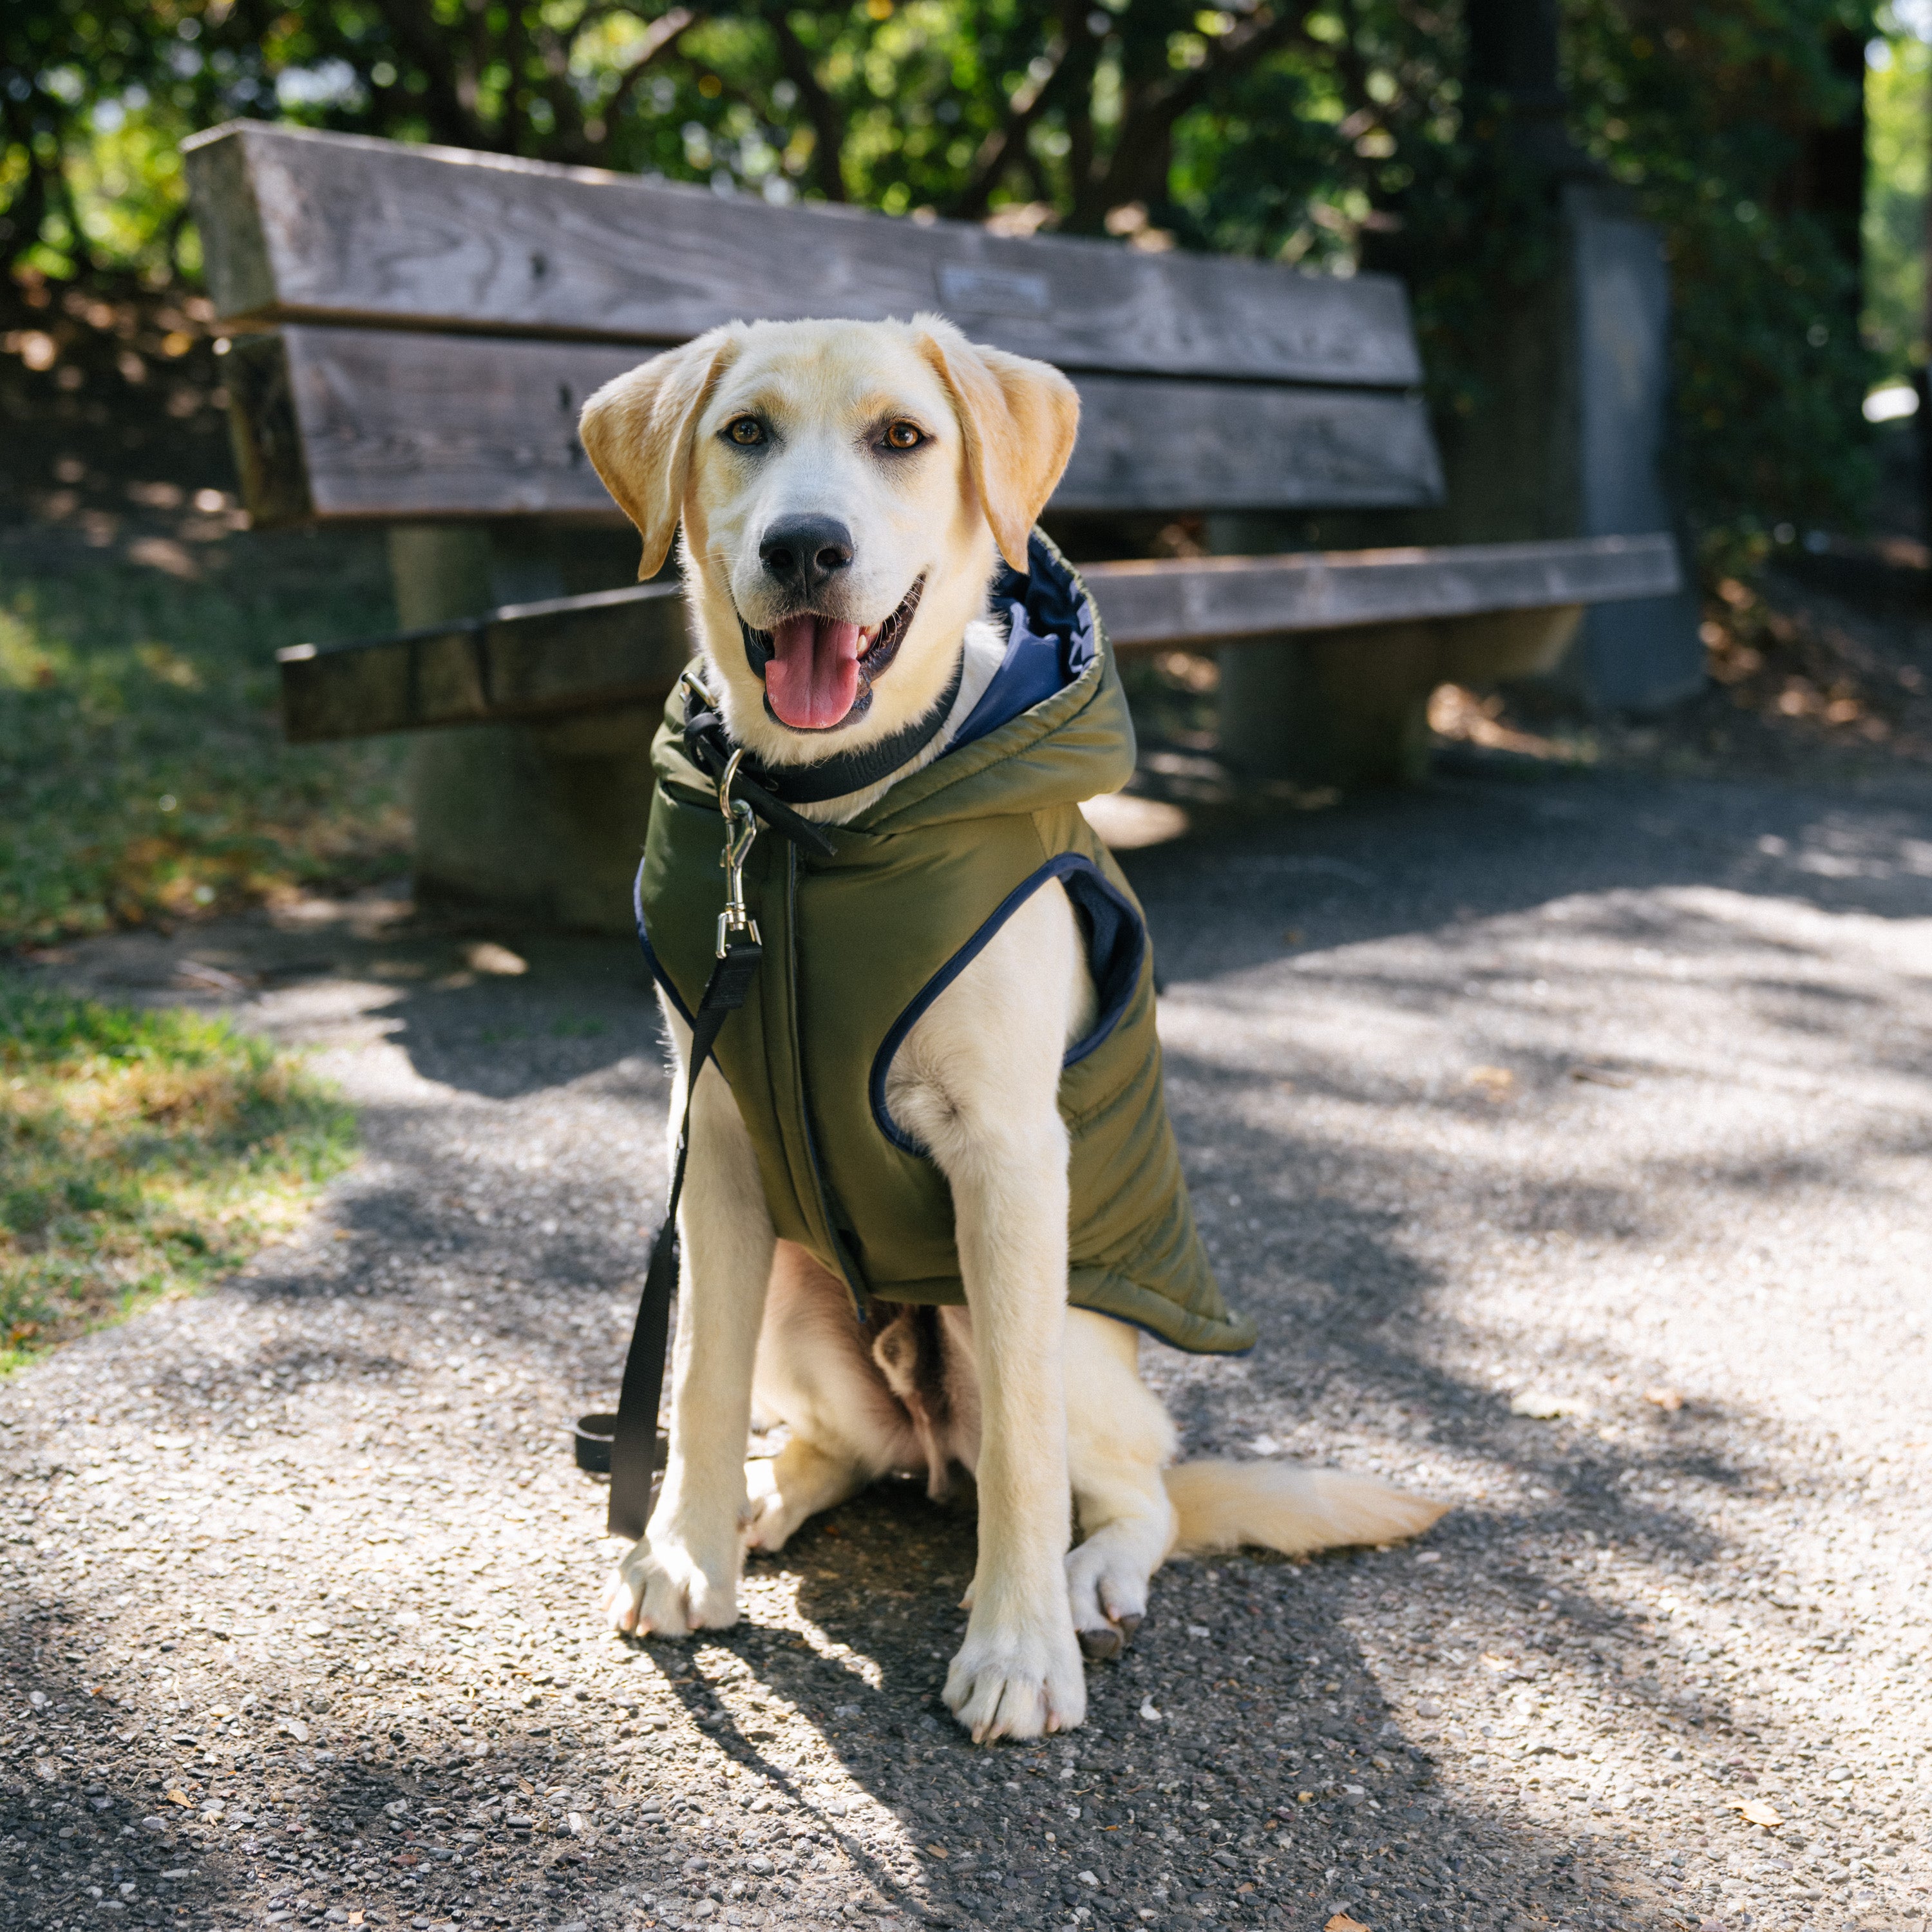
[{"x": 843, "y": 487}]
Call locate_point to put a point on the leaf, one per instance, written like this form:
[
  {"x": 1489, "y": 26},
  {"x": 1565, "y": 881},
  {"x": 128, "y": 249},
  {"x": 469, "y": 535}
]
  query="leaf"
[
  {"x": 179, "y": 1798},
  {"x": 1669, "y": 1400},
  {"x": 1755, "y": 1811},
  {"x": 1342, "y": 1922},
  {"x": 939, "y": 1851},
  {"x": 1600, "y": 1076},
  {"x": 486, "y": 956},
  {"x": 1495, "y": 1082},
  {"x": 1541, "y": 1405}
]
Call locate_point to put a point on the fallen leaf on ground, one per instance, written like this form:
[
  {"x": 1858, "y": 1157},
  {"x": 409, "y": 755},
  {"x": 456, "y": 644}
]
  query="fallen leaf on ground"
[
  {"x": 1495, "y": 1081},
  {"x": 1601, "y": 1076},
  {"x": 939, "y": 1851},
  {"x": 1342, "y": 1922},
  {"x": 1755, "y": 1811},
  {"x": 486, "y": 956},
  {"x": 179, "y": 1798},
  {"x": 1668, "y": 1399},
  {"x": 1540, "y": 1405}
]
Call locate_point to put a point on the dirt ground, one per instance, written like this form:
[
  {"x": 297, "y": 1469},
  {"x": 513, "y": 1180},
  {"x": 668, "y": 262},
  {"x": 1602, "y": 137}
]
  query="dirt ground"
[{"x": 1569, "y": 1131}]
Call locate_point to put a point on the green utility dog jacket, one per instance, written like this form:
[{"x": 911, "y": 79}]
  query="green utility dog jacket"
[{"x": 858, "y": 946}]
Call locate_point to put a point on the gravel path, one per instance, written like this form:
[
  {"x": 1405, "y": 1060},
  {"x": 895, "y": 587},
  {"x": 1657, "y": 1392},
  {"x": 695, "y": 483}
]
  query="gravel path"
[{"x": 1571, "y": 1140}]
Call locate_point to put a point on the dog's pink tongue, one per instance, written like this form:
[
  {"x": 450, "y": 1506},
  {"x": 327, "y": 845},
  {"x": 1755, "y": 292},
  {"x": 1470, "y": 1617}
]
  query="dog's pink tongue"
[{"x": 812, "y": 676}]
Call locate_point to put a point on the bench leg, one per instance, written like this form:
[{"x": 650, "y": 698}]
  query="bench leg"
[
  {"x": 1322, "y": 708},
  {"x": 1351, "y": 708},
  {"x": 539, "y": 822}
]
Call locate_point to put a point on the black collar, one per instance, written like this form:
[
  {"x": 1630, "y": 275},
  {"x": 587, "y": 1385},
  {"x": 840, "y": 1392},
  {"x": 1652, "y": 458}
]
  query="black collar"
[{"x": 771, "y": 791}]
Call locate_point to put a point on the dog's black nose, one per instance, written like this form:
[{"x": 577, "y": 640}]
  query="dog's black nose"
[{"x": 805, "y": 553}]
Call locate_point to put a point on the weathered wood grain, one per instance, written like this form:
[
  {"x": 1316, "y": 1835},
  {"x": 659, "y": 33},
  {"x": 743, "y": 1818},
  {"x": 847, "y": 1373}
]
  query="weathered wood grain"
[
  {"x": 380, "y": 423},
  {"x": 299, "y": 224},
  {"x": 1225, "y": 599},
  {"x": 571, "y": 654},
  {"x": 620, "y": 647}
]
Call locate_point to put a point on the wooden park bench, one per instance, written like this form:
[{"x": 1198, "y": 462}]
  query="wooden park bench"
[{"x": 413, "y": 331}]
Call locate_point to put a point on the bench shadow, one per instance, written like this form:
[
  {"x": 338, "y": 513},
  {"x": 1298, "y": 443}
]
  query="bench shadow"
[{"x": 1459, "y": 850}]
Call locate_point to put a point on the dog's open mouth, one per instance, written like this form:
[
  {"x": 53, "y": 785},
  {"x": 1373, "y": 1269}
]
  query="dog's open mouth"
[{"x": 819, "y": 671}]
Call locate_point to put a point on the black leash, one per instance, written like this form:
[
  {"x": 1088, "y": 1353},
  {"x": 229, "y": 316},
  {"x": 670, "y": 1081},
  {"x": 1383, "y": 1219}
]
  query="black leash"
[{"x": 634, "y": 1441}]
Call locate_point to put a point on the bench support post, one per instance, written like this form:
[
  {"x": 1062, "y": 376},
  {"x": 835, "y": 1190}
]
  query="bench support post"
[
  {"x": 1330, "y": 707},
  {"x": 1351, "y": 707},
  {"x": 541, "y": 822}
]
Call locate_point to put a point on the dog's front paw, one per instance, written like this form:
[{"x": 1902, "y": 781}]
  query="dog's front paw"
[
  {"x": 1018, "y": 1678},
  {"x": 661, "y": 1589}
]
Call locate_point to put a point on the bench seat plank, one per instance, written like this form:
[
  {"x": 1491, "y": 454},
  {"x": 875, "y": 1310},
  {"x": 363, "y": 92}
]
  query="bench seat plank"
[
  {"x": 335, "y": 423},
  {"x": 1223, "y": 599},
  {"x": 296, "y": 223},
  {"x": 626, "y": 647}
]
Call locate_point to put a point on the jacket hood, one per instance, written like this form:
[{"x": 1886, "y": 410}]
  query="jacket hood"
[{"x": 1053, "y": 728}]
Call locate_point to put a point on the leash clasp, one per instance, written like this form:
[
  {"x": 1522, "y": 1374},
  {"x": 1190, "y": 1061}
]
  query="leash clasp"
[{"x": 741, "y": 829}]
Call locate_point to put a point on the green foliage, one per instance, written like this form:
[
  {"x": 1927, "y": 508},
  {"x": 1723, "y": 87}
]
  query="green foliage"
[
  {"x": 1322, "y": 131},
  {"x": 141, "y": 1154},
  {"x": 142, "y": 773},
  {"x": 1898, "y": 104},
  {"x": 1710, "y": 112}
]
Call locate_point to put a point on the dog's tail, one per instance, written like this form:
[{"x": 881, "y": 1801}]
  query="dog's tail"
[{"x": 1283, "y": 1506}]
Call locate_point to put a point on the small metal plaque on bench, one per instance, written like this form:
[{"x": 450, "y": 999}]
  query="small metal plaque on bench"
[{"x": 993, "y": 291}]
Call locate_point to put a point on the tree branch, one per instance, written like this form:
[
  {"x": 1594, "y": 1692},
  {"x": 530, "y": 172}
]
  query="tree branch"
[
  {"x": 1137, "y": 167},
  {"x": 1007, "y": 142},
  {"x": 827, "y": 119},
  {"x": 658, "y": 36},
  {"x": 416, "y": 33}
]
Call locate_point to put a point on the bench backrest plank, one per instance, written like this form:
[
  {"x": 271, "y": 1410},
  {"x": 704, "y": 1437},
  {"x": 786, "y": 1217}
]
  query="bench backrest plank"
[
  {"x": 338, "y": 423},
  {"x": 297, "y": 224}
]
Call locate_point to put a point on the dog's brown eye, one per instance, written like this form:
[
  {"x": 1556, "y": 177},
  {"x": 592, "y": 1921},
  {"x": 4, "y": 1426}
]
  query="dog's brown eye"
[
  {"x": 904, "y": 436},
  {"x": 746, "y": 431}
]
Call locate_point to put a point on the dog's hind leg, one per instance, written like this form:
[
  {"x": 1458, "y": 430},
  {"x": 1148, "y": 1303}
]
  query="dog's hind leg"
[
  {"x": 683, "y": 1575},
  {"x": 816, "y": 1374},
  {"x": 796, "y": 1484},
  {"x": 1118, "y": 1439}
]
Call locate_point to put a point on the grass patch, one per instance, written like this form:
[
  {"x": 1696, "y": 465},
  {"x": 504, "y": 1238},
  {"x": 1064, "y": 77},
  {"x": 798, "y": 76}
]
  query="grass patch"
[
  {"x": 142, "y": 776},
  {"x": 141, "y": 1153}
]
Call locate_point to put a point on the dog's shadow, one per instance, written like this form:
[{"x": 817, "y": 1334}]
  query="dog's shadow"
[{"x": 1249, "y": 1712}]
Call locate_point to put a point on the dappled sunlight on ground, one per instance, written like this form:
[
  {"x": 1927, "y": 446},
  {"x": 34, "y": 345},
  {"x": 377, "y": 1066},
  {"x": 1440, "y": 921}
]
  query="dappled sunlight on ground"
[{"x": 1569, "y": 1141}]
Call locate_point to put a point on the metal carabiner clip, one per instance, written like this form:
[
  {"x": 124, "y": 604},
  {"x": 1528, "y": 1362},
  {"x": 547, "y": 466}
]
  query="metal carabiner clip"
[{"x": 741, "y": 829}]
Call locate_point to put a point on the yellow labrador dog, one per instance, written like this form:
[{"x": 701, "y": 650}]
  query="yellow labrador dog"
[{"x": 846, "y": 491}]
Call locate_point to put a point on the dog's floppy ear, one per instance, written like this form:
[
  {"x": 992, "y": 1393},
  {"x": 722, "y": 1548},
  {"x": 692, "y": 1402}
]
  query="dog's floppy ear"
[
  {"x": 1019, "y": 418},
  {"x": 637, "y": 430}
]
